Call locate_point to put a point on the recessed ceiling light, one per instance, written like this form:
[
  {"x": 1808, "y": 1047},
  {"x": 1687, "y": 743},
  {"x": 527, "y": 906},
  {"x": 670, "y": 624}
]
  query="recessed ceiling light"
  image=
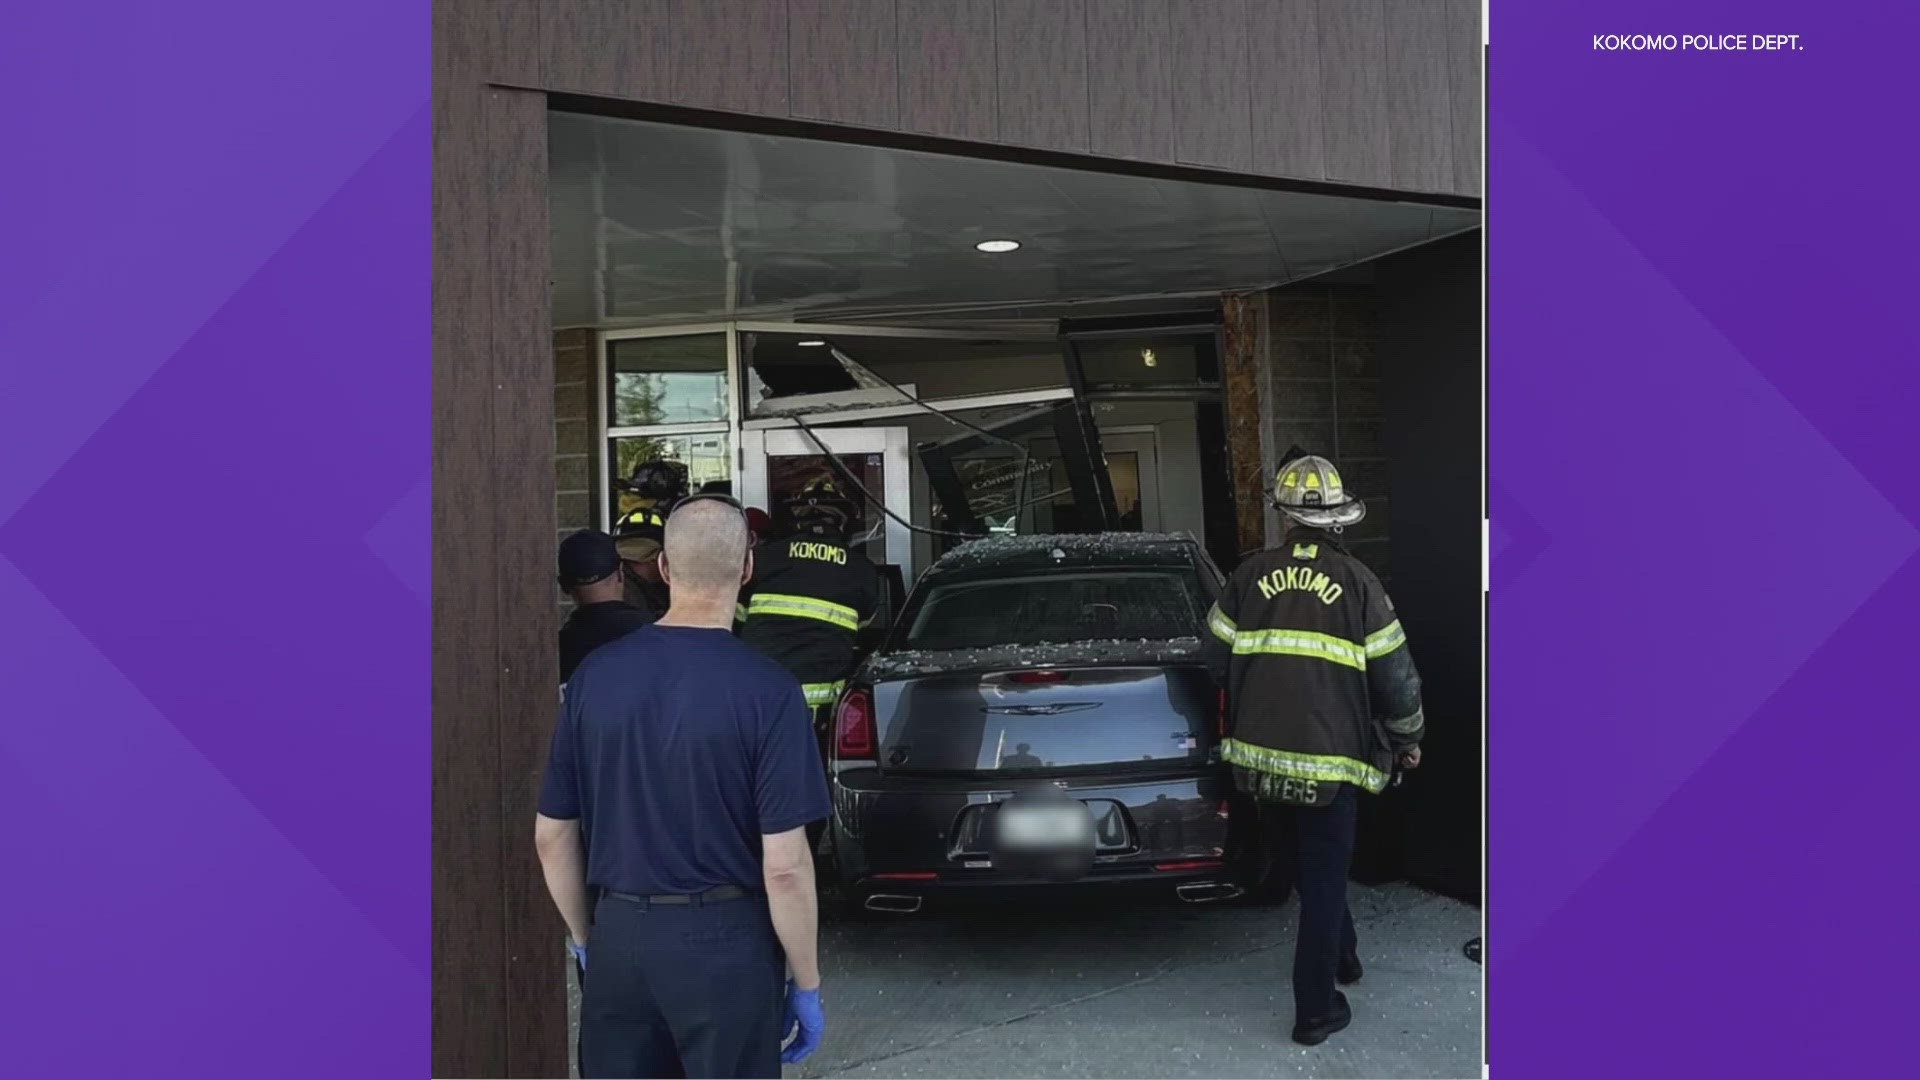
[
  {"x": 997, "y": 246},
  {"x": 813, "y": 343}
]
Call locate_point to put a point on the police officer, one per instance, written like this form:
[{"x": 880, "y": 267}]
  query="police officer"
[
  {"x": 590, "y": 574},
  {"x": 1324, "y": 702},
  {"x": 811, "y": 592},
  {"x": 681, "y": 778},
  {"x": 652, "y": 490}
]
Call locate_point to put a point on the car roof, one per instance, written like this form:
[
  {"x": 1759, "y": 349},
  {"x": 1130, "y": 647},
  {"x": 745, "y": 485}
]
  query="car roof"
[{"x": 1043, "y": 550}]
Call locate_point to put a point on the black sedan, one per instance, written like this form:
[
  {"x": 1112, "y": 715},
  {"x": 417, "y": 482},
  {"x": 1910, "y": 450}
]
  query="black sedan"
[{"x": 1044, "y": 712}]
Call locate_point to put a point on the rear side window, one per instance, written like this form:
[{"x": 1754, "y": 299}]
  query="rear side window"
[{"x": 1155, "y": 604}]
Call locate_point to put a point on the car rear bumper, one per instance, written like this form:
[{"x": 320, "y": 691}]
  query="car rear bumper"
[
  {"x": 985, "y": 885},
  {"x": 902, "y": 834}
]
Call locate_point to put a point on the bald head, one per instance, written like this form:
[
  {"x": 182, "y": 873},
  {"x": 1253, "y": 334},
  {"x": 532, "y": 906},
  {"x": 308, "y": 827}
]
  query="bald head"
[{"x": 706, "y": 550}]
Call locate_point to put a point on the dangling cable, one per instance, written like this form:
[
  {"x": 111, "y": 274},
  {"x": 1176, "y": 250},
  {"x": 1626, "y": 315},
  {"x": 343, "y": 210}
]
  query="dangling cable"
[
  {"x": 847, "y": 474},
  {"x": 1026, "y": 454}
]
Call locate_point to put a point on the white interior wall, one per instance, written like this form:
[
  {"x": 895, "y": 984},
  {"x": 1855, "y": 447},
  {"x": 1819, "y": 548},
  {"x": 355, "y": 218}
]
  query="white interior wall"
[{"x": 1178, "y": 458}]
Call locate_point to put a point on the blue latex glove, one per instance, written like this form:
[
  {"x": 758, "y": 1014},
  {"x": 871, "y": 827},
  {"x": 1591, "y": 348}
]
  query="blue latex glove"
[
  {"x": 805, "y": 1024},
  {"x": 579, "y": 952}
]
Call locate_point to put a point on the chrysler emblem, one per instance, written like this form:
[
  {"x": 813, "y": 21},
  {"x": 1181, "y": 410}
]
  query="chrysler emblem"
[{"x": 1050, "y": 709}]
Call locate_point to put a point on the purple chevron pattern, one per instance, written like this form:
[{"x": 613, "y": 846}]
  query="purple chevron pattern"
[
  {"x": 214, "y": 539},
  {"x": 1700, "y": 383}
]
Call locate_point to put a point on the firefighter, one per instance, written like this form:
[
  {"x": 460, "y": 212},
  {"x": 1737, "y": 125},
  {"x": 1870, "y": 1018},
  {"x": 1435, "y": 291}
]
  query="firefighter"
[
  {"x": 650, "y": 494},
  {"x": 656, "y": 484},
  {"x": 759, "y": 527},
  {"x": 1324, "y": 702},
  {"x": 811, "y": 592},
  {"x": 638, "y": 537}
]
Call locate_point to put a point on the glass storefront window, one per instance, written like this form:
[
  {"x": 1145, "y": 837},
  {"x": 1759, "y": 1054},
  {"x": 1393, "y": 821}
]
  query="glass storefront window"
[
  {"x": 708, "y": 457},
  {"x": 993, "y": 484},
  {"x": 1045, "y": 502},
  {"x": 667, "y": 380},
  {"x": 1145, "y": 362},
  {"x": 785, "y": 364},
  {"x": 1049, "y": 504}
]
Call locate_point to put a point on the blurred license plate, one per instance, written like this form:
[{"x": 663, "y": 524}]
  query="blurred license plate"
[{"x": 1047, "y": 828}]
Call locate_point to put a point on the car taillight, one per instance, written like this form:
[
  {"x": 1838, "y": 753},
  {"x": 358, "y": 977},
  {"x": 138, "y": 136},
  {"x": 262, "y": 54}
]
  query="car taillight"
[
  {"x": 1037, "y": 676},
  {"x": 853, "y": 731},
  {"x": 1220, "y": 716},
  {"x": 1183, "y": 867}
]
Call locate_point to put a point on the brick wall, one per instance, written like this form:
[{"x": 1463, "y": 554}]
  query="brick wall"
[
  {"x": 576, "y": 461},
  {"x": 1321, "y": 387}
]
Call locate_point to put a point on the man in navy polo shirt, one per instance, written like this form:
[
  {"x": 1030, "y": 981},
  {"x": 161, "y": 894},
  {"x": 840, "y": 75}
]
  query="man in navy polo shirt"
[
  {"x": 682, "y": 776},
  {"x": 590, "y": 573}
]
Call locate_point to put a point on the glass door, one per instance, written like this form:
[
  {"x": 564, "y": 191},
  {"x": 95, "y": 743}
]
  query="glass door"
[{"x": 779, "y": 460}]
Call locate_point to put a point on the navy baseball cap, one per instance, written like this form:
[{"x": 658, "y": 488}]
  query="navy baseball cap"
[{"x": 586, "y": 557}]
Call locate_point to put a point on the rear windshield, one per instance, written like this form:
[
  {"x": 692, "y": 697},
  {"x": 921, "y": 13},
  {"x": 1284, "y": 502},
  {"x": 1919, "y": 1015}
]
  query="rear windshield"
[{"x": 1153, "y": 603}]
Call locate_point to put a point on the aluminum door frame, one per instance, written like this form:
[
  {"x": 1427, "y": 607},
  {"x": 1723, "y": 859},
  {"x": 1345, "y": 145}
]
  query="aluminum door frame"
[{"x": 757, "y": 445}]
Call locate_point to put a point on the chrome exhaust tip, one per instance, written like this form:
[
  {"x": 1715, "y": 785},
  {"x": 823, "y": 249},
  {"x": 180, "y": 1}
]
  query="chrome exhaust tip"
[
  {"x": 898, "y": 905},
  {"x": 1203, "y": 892}
]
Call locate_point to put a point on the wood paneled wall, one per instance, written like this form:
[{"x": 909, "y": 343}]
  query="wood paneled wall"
[
  {"x": 1381, "y": 93},
  {"x": 498, "y": 998}
]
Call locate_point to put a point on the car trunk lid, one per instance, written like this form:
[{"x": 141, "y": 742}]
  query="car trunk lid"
[{"x": 1028, "y": 721}]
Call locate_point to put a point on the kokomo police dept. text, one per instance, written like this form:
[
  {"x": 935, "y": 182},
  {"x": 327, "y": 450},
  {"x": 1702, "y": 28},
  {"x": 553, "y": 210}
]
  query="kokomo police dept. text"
[{"x": 1696, "y": 42}]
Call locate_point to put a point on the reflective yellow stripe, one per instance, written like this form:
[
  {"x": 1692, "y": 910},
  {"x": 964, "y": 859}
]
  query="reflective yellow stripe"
[
  {"x": 1221, "y": 626},
  {"x": 739, "y": 613},
  {"x": 1303, "y": 766},
  {"x": 1407, "y": 725},
  {"x": 822, "y": 693},
  {"x": 804, "y": 607},
  {"x": 1386, "y": 639},
  {"x": 1301, "y": 643}
]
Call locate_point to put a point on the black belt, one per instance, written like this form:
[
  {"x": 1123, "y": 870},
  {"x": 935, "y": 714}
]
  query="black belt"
[{"x": 711, "y": 896}]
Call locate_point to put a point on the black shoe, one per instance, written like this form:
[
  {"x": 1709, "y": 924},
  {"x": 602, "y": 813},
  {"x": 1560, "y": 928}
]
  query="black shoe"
[
  {"x": 1314, "y": 1032},
  {"x": 1350, "y": 969}
]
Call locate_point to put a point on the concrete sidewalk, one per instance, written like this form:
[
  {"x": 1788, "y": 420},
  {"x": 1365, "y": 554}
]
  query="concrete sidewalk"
[
  {"x": 1143, "y": 988},
  {"x": 1148, "y": 989}
]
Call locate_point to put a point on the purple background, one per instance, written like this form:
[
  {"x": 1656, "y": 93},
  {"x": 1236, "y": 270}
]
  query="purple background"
[
  {"x": 1705, "y": 473},
  {"x": 214, "y": 737},
  {"x": 214, "y": 324}
]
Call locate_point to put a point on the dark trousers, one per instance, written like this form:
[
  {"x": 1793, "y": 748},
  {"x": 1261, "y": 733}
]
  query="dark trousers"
[
  {"x": 823, "y": 732},
  {"x": 682, "y": 990},
  {"x": 1322, "y": 842}
]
